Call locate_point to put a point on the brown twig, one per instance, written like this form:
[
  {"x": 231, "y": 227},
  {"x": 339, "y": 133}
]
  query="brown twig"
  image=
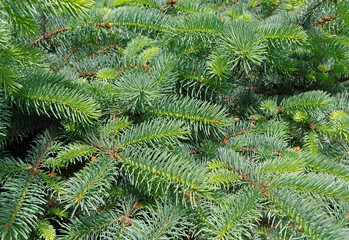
[
  {"x": 271, "y": 10},
  {"x": 311, "y": 11},
  {"x": 35, "y": 169},
  {"x": 48, "y": 35},
  {"x": 248, "y": 150},
  {"x": 230, "y": 98},
  {"x": 251, "y": 87},
  {"x": 193, "y": 151},
  {"x": 87, "y": 74},
  {"x": 53, "y": 43},
  {"x": 72, "y": 52},
  {"x": 280, "y": 110},
  {"x": 225, "y": 140},
  {"x": 103, "y": 24},
  {"x": 263, "y": 188},
  {"x": 102, "y": 50},
  {"x": 325, "y": 19},
  {"x": 43, "y": 30},
  {"x": 55, "y": 32},
  {"x": 343, "y": 79}
]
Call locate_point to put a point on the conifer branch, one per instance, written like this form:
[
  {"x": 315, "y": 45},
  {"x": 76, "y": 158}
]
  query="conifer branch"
[{"x": 143, "y": 112}]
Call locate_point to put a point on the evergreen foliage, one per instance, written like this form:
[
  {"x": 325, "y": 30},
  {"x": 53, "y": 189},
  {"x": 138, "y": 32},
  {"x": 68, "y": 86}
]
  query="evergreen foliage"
[{"x": 174, "y": 119}]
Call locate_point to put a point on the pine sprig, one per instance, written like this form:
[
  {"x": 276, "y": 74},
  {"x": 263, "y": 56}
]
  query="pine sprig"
[
  {"x": 165, "y": 221},
  {"x": 154, "y": 133},
  {"x": 138, "y": 18},
  {"x": 200, "y": 115},
  {"x": 45, "y": 230},
  {"x": 22, "y": 201},
  {"x": 93, "y": 226},
  {"x": 70, "y": 154},
  {"x": 10, "y": 167},
  {"x": 317, "y": 183},
  {"x": 46, "y": 94},
  {"x": 86, "y": 190},
  {"x": 314, "y": 100},
  {"x": 324, "y": 164},
  {"x": 307, "y": 215},
  {"x": 174, "y": 119},
  {"x": 234, "y": 219},
  {"x": 162, "y": 172}
]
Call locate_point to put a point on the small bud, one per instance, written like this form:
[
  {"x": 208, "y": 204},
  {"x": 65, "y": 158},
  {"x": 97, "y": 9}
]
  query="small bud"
[
  {"x": 52, "y": 174},
  {"x": 313, "y": 126}
]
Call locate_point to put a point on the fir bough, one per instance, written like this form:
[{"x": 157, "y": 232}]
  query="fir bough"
[{"x": 176, "y": 119}]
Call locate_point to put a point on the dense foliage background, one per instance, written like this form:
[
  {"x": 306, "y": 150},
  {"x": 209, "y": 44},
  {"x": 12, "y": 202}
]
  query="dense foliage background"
[{"x": 177, "y": 119}]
